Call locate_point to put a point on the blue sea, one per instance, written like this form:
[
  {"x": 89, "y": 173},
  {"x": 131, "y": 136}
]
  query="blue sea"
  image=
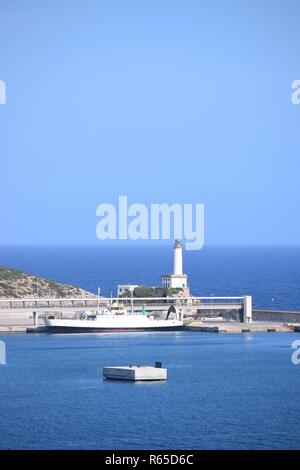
[
  {"x": 271, "y": 274},
  {"x": 237, "y": 391}
]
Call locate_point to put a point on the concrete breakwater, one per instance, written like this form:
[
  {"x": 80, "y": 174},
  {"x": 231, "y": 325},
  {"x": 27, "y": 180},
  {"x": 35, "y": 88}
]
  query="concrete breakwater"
[
  {"x": 266, "y": 320},
  {"x": 234, "y": 327},
  {"x": 197, "y": 326},
  {"x": 200, "y": 327},
  {"x": 266, "y": 315}
]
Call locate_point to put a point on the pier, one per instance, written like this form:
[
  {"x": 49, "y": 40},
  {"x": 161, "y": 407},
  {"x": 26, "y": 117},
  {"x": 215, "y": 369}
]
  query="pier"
[
  {"x": 233, "y": 327},
  {"x": 203, "y": 314},
  {"x": 27, "y": 312}
]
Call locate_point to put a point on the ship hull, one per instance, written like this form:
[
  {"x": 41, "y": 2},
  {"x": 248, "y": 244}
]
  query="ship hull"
[
  {"x": 72, "y": 330},
  {"x": 112, "y": 324}
]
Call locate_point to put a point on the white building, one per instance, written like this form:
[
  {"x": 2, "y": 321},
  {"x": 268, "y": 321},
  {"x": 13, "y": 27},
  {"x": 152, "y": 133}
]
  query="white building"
[
  {"x": 177, "y": 279},
  {"x": 122, "y": 288}
]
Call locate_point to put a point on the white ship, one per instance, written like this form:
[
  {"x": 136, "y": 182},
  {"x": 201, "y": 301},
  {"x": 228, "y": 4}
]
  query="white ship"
[{"x": 117, "y": 319}]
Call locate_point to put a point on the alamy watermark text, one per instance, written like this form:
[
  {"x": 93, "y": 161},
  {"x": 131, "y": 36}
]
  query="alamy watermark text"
[
  {"x": 2, "y": 353},
  {"x": 158, "y": 222},
  {"x": 2, "y": 92},
  {"x": 296, "y": 93},
  {"x": 296, "y": 354}
]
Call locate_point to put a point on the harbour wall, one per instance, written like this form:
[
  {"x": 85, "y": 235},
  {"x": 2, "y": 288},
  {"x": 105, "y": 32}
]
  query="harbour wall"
[
  {"x": 265, "y": 315},
  {"x": 285, "y": 316}
]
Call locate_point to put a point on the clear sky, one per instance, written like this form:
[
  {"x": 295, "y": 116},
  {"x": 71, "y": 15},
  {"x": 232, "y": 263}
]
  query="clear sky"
[{"x": 162, "y": 100}]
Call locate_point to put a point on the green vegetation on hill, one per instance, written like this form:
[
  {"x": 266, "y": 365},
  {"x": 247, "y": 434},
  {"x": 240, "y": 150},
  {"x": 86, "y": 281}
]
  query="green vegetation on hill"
[{"x": 18, "y": 284}]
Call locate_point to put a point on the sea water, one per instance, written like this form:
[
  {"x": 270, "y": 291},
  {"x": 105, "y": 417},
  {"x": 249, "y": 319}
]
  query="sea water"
[{"x": 232, "y": 391}]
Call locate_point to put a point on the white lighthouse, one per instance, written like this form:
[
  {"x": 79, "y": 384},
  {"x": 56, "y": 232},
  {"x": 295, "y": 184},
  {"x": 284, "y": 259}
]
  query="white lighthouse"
[
  {"x": 177, "y": 279},
  {"x": 177, "y": 258}
]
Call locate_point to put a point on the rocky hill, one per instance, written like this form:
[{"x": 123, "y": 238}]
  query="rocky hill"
[{"x": 18, "y": 284}]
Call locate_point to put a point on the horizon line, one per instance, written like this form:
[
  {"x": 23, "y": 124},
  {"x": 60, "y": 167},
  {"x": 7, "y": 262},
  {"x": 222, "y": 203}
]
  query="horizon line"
[{"x": 143, "y": 242}]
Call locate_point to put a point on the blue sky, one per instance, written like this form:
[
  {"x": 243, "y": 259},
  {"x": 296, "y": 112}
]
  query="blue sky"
[{"x": 164, "y": 101}]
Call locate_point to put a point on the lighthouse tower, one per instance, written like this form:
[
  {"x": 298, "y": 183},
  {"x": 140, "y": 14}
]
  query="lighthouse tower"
[
  {"x": 177, "y": 258},
  {"x": 177, "y": 279}
]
